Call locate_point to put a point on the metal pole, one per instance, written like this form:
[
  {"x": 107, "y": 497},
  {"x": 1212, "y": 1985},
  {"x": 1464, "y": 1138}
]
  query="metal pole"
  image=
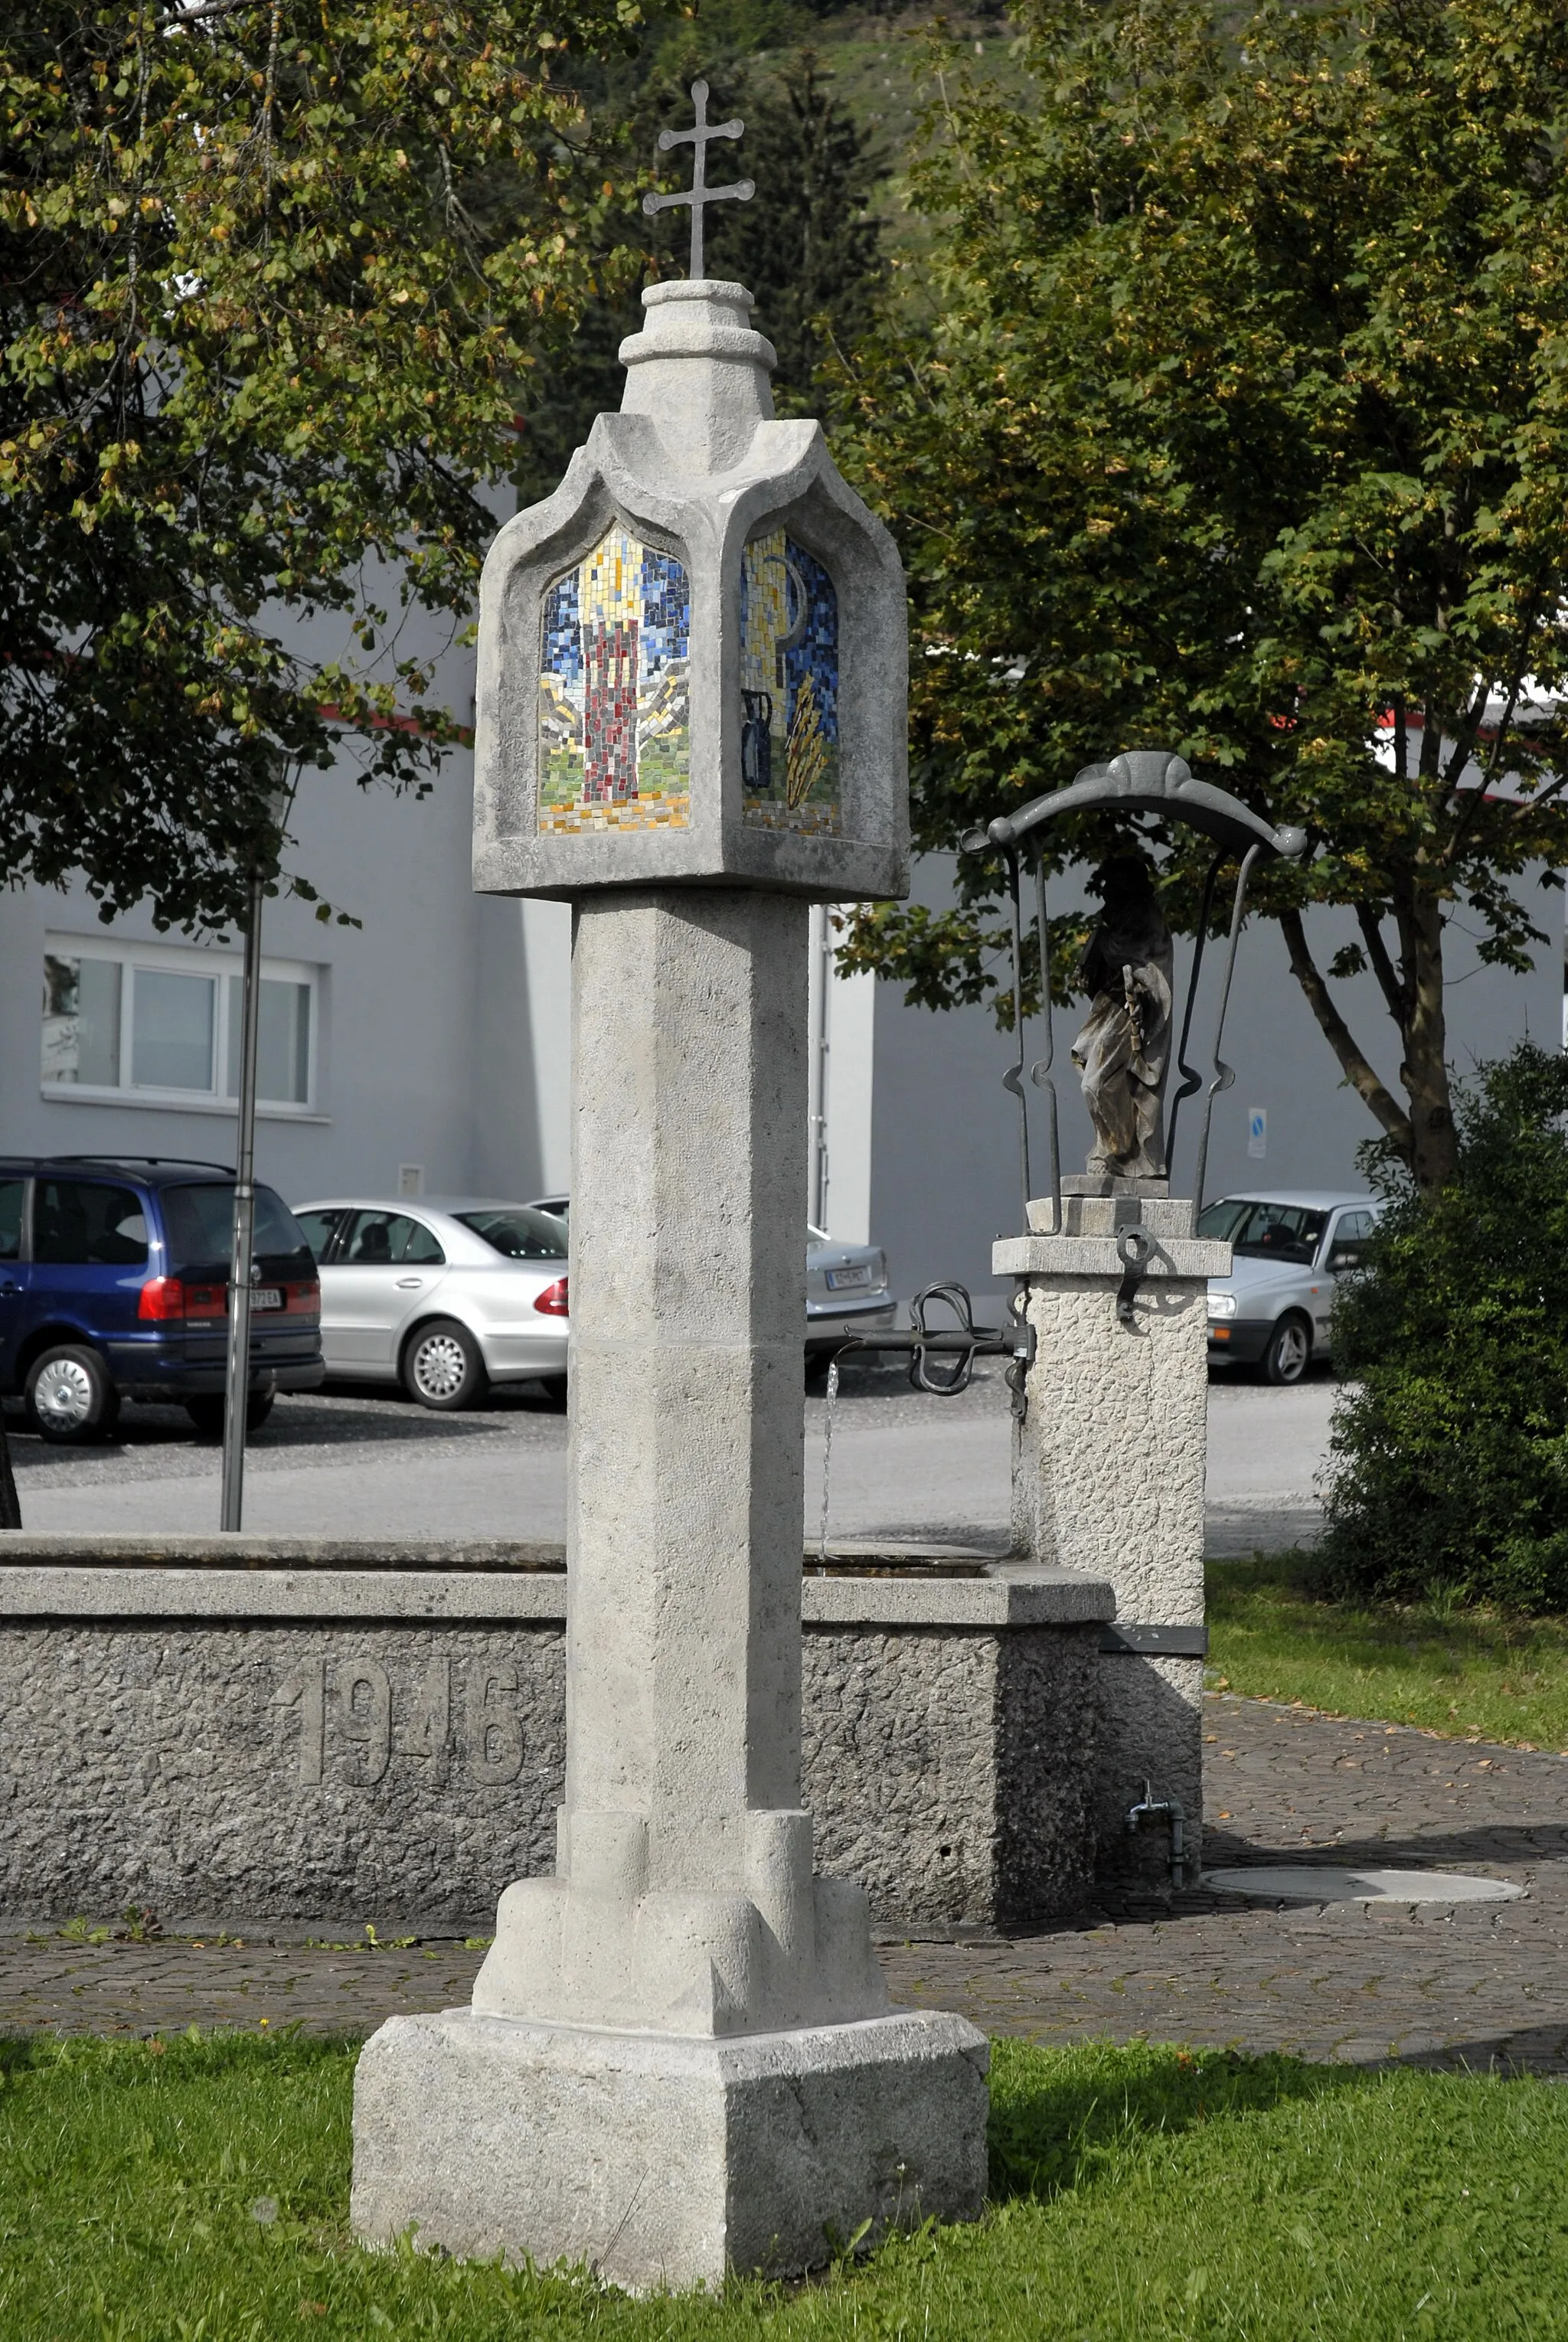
[
  {"x": 237, "y": 1390},
  {"x": 1192, "y": 1080},
  {"x": 1040, "y": 1072},
  {"x": 1013, "y": 1079},
  {"x": 1223, "y": 1075}
]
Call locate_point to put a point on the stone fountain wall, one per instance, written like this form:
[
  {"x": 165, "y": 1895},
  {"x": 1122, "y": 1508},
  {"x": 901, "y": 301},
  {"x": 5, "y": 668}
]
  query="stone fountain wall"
[{"x": 305, "y": 1736}]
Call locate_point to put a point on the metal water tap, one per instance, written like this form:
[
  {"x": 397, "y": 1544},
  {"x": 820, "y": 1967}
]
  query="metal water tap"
[{"x": 1170, "y": 1809}]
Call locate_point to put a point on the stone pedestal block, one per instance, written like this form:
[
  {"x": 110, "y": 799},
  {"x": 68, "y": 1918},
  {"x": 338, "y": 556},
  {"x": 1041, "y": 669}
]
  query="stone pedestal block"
[
  {"x": 1109, "y": 1467},
  {"x": 659, "y": 2160}
]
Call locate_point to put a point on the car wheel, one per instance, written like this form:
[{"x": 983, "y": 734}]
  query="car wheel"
[
  {"x": 1288, "y": 1352},
  {"x": 207, "y": 1410},
  {"x": 441, "y": 1366},
  {"x": 70, "y": 1399}
]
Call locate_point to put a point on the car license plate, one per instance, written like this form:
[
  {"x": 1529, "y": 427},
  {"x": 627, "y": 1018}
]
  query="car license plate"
[
  {"x": 266, "y": 1296},
  {"x": 844, "y": 1280}
]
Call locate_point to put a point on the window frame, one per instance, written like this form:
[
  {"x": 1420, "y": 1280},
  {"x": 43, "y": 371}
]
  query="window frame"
[
  {"x": 1332, "y": 1242},
  {"x": 65, "y": 1175},
  {"x": 346, "y": 1213},
  {"x": 354, "y": 1213},
  {"x": 215, "y": 966}
]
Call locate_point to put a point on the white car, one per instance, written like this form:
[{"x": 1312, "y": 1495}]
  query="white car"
[
  {"x": 1275, "y": 1309},
  {"x": 445, "y": 1295}
]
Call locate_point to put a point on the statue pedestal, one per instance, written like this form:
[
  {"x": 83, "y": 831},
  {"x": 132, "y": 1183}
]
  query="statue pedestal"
[
  {"x": 661, "y": 2160},
  {"x": 1108, "y": 1476}
]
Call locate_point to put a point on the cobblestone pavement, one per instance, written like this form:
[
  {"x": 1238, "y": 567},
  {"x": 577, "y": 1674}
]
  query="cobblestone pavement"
[{"x": 1434, "y": 1984}]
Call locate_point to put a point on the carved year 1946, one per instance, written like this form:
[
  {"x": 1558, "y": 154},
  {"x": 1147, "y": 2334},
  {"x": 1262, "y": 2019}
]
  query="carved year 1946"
[{"x": 349, "y": 1721}]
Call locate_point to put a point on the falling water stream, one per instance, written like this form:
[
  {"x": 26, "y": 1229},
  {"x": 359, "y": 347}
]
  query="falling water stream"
[{"x": 827, "y": 1458}]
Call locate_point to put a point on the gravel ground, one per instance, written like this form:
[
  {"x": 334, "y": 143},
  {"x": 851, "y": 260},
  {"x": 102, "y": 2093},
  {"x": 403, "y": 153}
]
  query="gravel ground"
[
  {"x": 315, "y": 1428},
  {"x": 366, "y": 1460}
]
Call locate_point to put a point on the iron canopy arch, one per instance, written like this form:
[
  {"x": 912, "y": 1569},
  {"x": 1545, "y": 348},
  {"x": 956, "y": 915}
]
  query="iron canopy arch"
[{"x": 1140, "y": 780}]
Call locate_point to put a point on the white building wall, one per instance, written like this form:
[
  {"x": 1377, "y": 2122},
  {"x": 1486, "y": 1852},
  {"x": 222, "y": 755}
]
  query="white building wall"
[
  {"x": 851, "y": 1099},
  {"x": 523, "y": 1024},
  {"x": 394, "y": 1082}
]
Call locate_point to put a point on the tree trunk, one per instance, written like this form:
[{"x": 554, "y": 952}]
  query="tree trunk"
[
  {"x": 1356, "y": 1067},
  {"x": 1433, "y": 1156},
  {"x": 1423, "y": 1134}
]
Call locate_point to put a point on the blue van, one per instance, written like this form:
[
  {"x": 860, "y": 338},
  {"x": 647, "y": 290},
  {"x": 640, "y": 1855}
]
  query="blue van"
[{"x": 114, "y": 1283}]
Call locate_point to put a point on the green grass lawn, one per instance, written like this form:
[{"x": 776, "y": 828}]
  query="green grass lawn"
[
  {"x": 198, "y": 2191},
  {"x": 1473, "y": 1673}
]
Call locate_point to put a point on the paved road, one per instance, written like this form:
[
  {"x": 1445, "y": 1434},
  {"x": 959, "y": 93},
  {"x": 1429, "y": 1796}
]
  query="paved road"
[
  {"x": 1477, "y": 1984},
  {"x": 901, "y": 1464}
]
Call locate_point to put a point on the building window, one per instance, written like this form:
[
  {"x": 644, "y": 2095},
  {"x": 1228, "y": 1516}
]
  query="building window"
[
  {"x": 173, "y": 1029},
  {"x": 153, "y": 1024},
  {"x": 284, "y": 1018}
]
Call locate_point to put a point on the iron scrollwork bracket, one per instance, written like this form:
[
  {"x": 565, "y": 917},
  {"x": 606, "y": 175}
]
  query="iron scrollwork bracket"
[
  {"x": 1024, "y": 1344},
  {"x": 964, "y": 1349},
  {"x": 1134, "y": 1250},
  {"x": 962, "y": 1343}
]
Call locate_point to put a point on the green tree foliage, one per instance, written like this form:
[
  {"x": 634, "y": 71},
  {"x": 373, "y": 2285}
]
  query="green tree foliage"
[
  {"x": 272, "y": 274},
  {"x": 803, "y": 244},
  {"x": 1239, "y": 429},
  {"x": 1452, "y": 1441}
]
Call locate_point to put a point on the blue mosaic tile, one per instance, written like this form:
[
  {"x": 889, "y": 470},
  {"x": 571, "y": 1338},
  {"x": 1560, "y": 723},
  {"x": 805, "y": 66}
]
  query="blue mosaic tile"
[{"x": 789, "y": 687}]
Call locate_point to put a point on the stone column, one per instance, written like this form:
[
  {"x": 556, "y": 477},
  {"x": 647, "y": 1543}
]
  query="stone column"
[
  {"x": 683, "y": 1894},
  {"x": 1108, "y": 1477},
  {"x": 680, "y": 2058}
]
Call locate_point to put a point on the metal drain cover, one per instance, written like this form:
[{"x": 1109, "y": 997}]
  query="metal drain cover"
[{"x": 1301, "y": 1882}]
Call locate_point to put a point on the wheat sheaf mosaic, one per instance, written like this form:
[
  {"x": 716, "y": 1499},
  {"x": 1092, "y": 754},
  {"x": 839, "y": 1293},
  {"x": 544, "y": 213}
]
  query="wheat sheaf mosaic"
[
  {"x": 789, "y": 688},
  {"x": 614, "y": 714}
]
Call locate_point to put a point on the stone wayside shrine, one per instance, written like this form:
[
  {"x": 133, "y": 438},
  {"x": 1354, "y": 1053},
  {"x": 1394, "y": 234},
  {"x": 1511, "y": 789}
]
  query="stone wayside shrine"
[{"x": 680, "y": 2058}]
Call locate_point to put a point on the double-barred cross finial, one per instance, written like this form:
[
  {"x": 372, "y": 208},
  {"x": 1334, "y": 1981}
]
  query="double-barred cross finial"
[{"x": 699, "y": 194}]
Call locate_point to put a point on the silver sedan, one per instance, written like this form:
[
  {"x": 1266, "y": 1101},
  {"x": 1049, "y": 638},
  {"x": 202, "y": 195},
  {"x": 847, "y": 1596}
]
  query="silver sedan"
[
  {"x": 845, "y": 1286},
  {"x": 445, "y": 1295},
  {"x": 845, "y": 1293}
]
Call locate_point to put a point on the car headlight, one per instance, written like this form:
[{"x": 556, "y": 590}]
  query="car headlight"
[{"x": 1221, "y": 1305}]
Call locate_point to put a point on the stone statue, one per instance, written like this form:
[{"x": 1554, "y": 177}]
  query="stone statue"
[{"x": 1124, "y": 1050}]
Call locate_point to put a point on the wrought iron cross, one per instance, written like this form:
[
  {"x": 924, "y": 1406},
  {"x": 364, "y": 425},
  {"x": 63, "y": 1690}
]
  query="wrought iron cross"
[{"x": 699, "y": 194}]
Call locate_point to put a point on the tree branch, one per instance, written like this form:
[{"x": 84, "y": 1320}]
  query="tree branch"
[
  {"x": 1466, "y": 734},
  {"x": 207, "y": 8},
  {"x": 1357, "y": 1067},
  {"x": 1527, "y": 805},
  {"x": 1395, "y": 991}
]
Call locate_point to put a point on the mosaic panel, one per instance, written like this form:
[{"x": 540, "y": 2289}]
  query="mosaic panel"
[
  {"x": 614, "y": 718},
  {"x": 789, "y": 688}
]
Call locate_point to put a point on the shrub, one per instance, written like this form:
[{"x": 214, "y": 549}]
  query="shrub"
[{"x": 1452, "y": 1445}]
